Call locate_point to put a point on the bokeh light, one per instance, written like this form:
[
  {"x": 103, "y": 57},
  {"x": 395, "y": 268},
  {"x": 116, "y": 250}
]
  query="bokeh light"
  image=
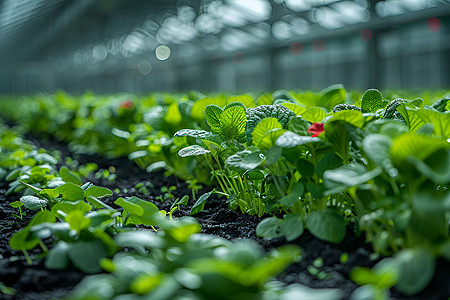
[
  {"x": 365, "y": 35},
  {"x": 434, "y": 24},
  {"x": 296, "y": 48},
  {"x": 162, "y": 52}
]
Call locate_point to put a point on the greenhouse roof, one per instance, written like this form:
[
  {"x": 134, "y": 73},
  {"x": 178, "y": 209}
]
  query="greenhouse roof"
[{"x": 89, "y": 32}]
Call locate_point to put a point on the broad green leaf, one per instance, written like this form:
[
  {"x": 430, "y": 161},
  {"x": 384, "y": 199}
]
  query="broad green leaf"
[
  {"x": 270, "y": 228},
  {"x": 16, "y": 204},
  {"x": 246, "y": 100},
  {"x": 305, "y": 167},
  {"x": 193, "y": 150},
  {"x": 233, "y": 122},
  {"x": 139, "y": 240},
  {"x": 98, "y": 192},
  {"x": 200, "y": 204},
  {"x": 33, "y": 202},
  {"x": 68, "y": 207},
  {"x": 131, "y": 207},
  {"x": 70, "y": 192},
  {"x": 372, "y": 101},
  {"x": 263, "y": 127},
  {"x": 57, "y": 258},
  {"x": 440, "y": 121},
  {"x": 353, "y": 117},
  {"x": 297, "y": 109},
  {"x": 314, "y": 114},
  {"x": 269, "y": 139},
  {"x": 182, "y": 229},
  {"x": 20, "y": 240},
  {"x": 332, "y": 96},
  {"x": 416, "y": 269},
  {"x": 337, "y": 133},
  {"x": 435, "y": 167},
  {"x": 418, "y": 146},
  {"x": 377, "y": 148},
  {"x": 329, "y": 161},
  {"x": 140, "y": 211},
  {"x": 293, "y": 226},
  {"x": 86, "y": 255},
  {"x": 341, "y": 179},
  {"x": 412, "y": 119},
  {"x": 293, "y": 197},
  {"x": 69, "y": 176},
  {"x": 327, "y": 225},
  {"x": 212, "y": 115},
  {"x": 77, "y": 220},
  {"x": 299, "y": 126},
  {"x": 290, "y": 139},
  {"x": 264, "y": 99},
  {"x": 173, "y": 114},
  {"x": 245, "y": 160},
  {"x": 198, "y": 109}
]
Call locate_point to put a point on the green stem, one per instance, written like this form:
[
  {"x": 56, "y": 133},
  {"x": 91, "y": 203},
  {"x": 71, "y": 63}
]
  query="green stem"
[
  {"x": 41, "y": 243},
  {"x": 25, "y": 252}
]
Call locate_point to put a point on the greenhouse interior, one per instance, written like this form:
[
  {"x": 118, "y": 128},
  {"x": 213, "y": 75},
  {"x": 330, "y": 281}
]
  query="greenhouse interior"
[{"x": 225, "y": 149}]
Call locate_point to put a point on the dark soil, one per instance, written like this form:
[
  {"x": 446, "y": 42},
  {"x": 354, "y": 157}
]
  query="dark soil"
[{"x": 36, "y": 282}]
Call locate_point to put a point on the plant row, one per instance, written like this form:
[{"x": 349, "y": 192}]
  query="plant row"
[
  {"x": 145, "y": 251},
  {"x": 315, "y": 161}
]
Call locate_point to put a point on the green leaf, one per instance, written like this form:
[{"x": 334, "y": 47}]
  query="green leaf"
[
  {"x": 57, "y": 258},
  {"x": 329, "y": 161},
  {"x": 86, "y": 255},
  {"x": 263, "y": 127},
  {"x": 419, "y": 146},
  {"x": 212, "y": 115},
  {"x": 98, "y": 192},
  {"x": 314, "y": 114},
  {"x": 193, "y": 150},
  {"x": 337, "y": 133},
  {"x": 77, "y": 220},
  {"x": 200, "y": 204},
  {"x": 173, "y": 114},
  {"x": 332, "y": 96},
  {"x": 138, "y": 154},
  {"x": 16, "y": 204},
  {"x": 246, "y": 100},
  {"x": 70, "y": 192},
  {"x": 326, "y": 225},
  {"x": 305, "y": 167},
  {"x": 416, "y": 269},
  {"x": 353, "y": 117},
  {"x": 192, "y": 133},
  {"x": 377, "y": 148},
  {"x": 298, "y": 291},
  {"x": 297, "y": 109},
  {"x": 440, "y": 121},
  {"x": 293, "y": 197},
  {"x": 270, "y": 228},
  {"x": 245, "y": 160},
  {"x": 33, "y": 203},
  {"x": 290, "y": 139},
  {"x": 372, "y": 101},
  {"x": 69, "y": 176},
  {"x": 341, "y": 179},
  {"x": 131, "y": 207},
  {"x": 198, "y": 109},
  {"x": 293, "y": 226},
  {"x": 412, "y": 119},
  {"x": 68, "y": 207},
  {"x": 33, "y": 188},
  {"x": 233, "y": 122},
  {"x": 96, "y": 203}
]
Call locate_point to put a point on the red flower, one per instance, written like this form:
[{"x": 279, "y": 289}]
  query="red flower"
[
  {"x": 316, "y": 129},
  {"x": 127, "y": 104}
]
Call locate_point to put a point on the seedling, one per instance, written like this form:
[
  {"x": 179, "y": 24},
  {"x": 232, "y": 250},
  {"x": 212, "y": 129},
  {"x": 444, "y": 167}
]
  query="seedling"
[{"x": 18, "y": 204}]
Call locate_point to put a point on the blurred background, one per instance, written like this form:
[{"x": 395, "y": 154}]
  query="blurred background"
[{"x": 142, "y": 46}]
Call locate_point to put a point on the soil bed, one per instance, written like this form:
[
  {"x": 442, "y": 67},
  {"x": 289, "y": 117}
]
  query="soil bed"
[{"x": 36, "y": 282}]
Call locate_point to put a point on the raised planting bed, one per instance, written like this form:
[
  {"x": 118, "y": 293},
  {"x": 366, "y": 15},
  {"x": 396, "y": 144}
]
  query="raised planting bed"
[{"x": 229, "y": 197}]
